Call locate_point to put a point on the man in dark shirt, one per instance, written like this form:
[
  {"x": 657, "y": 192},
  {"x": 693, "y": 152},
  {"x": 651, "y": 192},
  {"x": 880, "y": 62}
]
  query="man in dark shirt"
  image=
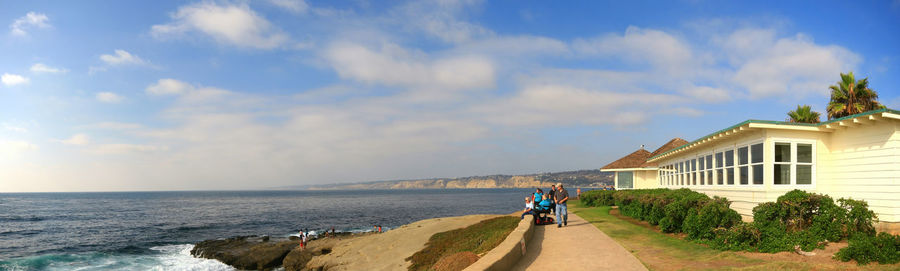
[
  {"x": 552, "y": 198},
  {"x": 562, "y": 197}
]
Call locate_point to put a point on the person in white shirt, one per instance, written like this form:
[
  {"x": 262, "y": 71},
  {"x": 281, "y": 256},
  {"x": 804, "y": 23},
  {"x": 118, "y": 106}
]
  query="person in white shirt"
[{"x": 529, "y": 207}]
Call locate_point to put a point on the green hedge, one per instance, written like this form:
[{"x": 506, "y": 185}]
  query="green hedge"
[
  {"x": 797, "y": 218},
  {"x": 597, "y": 198}
]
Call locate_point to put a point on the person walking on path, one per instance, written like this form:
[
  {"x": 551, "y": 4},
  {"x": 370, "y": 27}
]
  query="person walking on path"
[{"x": 562, "y": 197}]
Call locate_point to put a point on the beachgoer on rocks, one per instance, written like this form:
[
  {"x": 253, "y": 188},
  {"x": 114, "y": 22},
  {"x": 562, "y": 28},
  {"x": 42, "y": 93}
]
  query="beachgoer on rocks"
[{"x": 562, "y": 197}]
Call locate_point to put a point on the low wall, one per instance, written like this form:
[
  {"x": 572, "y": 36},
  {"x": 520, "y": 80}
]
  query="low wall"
[{"x": 508, "y": 253}]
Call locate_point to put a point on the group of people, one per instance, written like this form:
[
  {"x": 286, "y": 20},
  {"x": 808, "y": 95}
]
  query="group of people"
[
  {"x": 553, "y": 202},
  {"x": 304, "y": 237}
]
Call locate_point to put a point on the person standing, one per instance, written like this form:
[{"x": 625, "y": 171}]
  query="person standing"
[
  {"x": 552, "y": 195},
  {"x": 562, "y": 197}
]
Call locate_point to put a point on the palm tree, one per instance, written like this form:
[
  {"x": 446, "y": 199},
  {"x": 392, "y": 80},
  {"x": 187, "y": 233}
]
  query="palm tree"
[
  {"x": 803, "y": 114},
  {"x": 850, "y": 97}
]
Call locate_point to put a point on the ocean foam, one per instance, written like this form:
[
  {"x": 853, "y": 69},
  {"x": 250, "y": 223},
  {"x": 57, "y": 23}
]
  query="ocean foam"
[{"x": 169, "y": 257}]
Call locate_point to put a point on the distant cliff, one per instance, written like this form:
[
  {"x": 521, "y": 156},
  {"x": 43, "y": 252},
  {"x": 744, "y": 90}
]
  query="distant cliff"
[{"x": 580, "y": 178}]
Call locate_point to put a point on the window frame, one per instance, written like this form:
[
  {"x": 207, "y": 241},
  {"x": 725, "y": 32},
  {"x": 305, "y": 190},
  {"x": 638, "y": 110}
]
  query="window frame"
[{"x": 794, "y": 162}]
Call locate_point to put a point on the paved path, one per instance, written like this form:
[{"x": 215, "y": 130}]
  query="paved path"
[{"x": 579, "y": 246}]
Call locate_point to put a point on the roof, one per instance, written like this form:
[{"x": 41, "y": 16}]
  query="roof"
[
  {"x": 633, "y": 160},
  {"x": 674, "y": 143},
  {"x": 822, "y": 126}
]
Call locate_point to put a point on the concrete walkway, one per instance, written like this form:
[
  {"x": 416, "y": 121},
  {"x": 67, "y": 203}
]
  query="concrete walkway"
[{"x": 579, "y": 246}]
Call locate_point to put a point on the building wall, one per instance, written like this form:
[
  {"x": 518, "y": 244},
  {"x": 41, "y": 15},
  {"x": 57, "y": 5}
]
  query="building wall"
[
  {"x": 645, "y": 179},
  {"x": 864, "y": 163},
  {"x": 858, "y": 162}
]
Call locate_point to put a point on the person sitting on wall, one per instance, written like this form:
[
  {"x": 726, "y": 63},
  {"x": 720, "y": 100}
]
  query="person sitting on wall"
[{"x": 529, "y": 207}]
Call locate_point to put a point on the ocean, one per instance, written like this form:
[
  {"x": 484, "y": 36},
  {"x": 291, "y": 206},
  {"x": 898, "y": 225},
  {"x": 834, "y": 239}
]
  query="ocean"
[{"x": 156, "y": 230}]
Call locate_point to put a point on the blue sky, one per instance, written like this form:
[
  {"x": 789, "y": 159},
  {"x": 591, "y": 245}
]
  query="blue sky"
[{"x": 182, "y": 95}]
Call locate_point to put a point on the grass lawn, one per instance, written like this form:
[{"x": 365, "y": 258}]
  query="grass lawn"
[
  {"x": 478, "y": 238},
  {"x": 660, "y": 251}
]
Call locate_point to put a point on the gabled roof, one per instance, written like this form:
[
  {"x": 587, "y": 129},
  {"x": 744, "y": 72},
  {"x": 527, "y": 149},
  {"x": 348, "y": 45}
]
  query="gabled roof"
[
  {"x": 674, "y": 143},
  {"x": 827, "y": 126},
  {"x": 633, "y": 160}
]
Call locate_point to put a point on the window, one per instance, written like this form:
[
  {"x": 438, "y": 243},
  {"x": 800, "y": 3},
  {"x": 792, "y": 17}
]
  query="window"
[
  {"x": 693, "y": 171},
  {"x": 794, "y": 163},
  {"x": 626, "y": 179},
  {"x": 709, "y": 170},
  {"x": 720, "y": 178},
  {"x": 729, "y": 167},
  {"x": 700, "y": 170},
  {"x": 756, "y": 163},
  {"x": 804, "y": 163},
  {"x": 782, "y": 163},
  {"x": 743, "y": 158}
]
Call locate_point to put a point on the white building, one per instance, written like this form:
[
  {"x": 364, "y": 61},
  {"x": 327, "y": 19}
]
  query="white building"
[{"x": 756, "y": 161}]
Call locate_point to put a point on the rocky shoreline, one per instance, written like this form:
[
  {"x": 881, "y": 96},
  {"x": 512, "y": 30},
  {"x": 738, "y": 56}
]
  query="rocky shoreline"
[
  {"x": 345, "y": 251},
  {"x": 266, "y": 253}
]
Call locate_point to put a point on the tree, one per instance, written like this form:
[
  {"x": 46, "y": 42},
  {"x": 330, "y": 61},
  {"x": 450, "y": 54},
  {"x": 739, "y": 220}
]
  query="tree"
[
  {"x": 803, "y": 114},
  {"x": 850, "y": 97}
]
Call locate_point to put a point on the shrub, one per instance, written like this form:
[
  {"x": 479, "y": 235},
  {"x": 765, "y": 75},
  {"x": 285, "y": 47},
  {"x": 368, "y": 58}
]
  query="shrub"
[
  {"x": 743, "y": 236},
  {"x": 715, "y": 214},
  {"x": 859, "y": 218},
  {"x": 864, "y": 248},
  {"x": 797, "y": 218},
  {"x": 598, "y": 198}
]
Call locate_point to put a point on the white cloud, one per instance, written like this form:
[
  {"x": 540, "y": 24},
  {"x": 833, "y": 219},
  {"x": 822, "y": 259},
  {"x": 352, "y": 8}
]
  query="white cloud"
[
  {"x": 14, "y": 128},
  {"x": 561, "y": 105},
  {"x": 793, "y": 66},
  {"x": 13, "y": 79},
  {"x": 41, "y": 68},
  {"x": 708, "y": 94},
  {"x": 168, "y": 86},
  {"x": 109, "y": 97},
  {"x": 122, "y": 57},
  {"x": 76, "y": 140},
  {"x": 236, "y": 25},
  {"x": 655, "y": 47},
  {"x": 440, "y": 19},
  {"x": 395, "y": 66},
  {"x": 294, "y": 6},
  {"x": 20, "y": 26},
  {"x": 13, "y": 149},
  {"x": 126, "y": 148},
  {"x": 120, "y": 126}
]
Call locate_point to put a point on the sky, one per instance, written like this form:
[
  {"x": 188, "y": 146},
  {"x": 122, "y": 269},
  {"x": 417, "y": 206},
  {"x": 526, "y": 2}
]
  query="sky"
[{"x": 224, "y": 95}]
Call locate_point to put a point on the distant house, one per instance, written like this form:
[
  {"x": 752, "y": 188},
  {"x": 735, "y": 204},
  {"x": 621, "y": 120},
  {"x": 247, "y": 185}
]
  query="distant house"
[
  {"x": 756, "y": 161},
  {"x": 634, "y": 172}
]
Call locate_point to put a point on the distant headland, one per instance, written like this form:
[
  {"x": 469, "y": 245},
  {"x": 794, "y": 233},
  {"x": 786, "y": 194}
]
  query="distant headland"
[{"x": 578, "y": 178}]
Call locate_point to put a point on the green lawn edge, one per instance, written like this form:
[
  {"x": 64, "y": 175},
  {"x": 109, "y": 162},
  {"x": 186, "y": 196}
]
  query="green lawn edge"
[{"x": 478, "y": 238}]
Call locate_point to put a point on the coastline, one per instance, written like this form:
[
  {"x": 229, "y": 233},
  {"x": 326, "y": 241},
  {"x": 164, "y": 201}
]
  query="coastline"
[{"x": 359, "y": 251}]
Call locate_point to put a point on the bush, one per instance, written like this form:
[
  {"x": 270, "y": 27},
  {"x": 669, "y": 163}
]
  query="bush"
[
  {"x": 864, "y": 248},
  {"x": 714, "y": 215},
  {"x": 597, "y": 198},
  {"x": 797, "y": 218},
  {"x": 743, "y": 236},
  {"x": 859, "y": 218}
]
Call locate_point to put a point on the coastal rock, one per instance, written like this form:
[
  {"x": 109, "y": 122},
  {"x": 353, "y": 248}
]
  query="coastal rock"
[
  {"x": 298, "y": 258},
  {"x": 246, "y": 252}
]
